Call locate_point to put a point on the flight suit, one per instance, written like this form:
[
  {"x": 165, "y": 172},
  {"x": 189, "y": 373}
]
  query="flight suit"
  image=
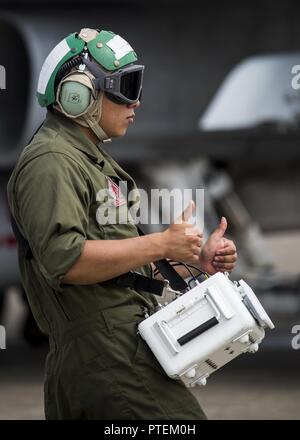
[{"x": 98, "y": 367}]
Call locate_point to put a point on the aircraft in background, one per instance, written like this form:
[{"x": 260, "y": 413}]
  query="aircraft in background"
[{"x": 251, "y": 124}]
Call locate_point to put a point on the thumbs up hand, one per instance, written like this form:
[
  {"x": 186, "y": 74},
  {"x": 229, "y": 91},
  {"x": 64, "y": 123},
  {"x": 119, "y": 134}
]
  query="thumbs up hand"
[
  {"x": 218, "y": 254},
  {"x": 182, "y": 241}
]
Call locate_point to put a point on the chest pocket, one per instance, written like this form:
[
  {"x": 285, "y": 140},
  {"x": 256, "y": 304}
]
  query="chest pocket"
[
  {"x": 115, "y": 214},
  {"x": 117, "y": 203}
]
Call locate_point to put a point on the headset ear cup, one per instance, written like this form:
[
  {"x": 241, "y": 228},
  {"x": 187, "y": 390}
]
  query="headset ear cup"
[{"x": 74, "y": 98}]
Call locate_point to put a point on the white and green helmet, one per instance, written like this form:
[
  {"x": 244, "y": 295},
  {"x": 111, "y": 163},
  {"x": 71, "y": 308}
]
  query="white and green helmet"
[{"x": 110, "y": 59}]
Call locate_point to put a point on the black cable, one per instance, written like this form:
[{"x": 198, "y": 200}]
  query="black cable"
[
  {"x": 193, "y": 267},
  {"x": 199, "y": 270},
  {"x": 184, "y": 265},
  {"x": 187, "y": 267},
  {"x": 177, "y": 263}
]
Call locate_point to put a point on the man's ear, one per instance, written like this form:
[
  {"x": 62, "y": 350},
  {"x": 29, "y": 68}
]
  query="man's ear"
[{"x": 74, "y": 98}]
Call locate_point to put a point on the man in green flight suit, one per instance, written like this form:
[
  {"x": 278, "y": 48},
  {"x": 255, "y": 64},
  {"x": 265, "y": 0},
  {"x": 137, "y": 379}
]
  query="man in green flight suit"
[{"x": 97, "y": 366}]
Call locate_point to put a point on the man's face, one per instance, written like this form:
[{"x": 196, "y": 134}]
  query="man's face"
[{"x": 116, "y": 118}]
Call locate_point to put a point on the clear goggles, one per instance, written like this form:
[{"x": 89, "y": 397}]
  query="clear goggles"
[{"x": 123, "y": 86}]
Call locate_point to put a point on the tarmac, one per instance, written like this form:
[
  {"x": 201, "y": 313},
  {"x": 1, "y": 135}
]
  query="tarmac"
[
  {"x": 261, "y": 386},
  {"x": 265, "y": 385}
]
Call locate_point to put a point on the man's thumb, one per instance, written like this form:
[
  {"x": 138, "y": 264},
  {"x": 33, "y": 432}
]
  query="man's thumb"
[
  {"x": 221, "y": 229},
  {"x": 187, "y": 213}
]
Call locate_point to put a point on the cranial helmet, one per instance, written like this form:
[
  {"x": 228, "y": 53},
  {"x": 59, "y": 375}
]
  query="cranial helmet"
[{"x": 84, "y": 66}]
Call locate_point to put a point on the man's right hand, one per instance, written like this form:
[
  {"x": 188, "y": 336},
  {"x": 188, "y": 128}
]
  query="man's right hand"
[{"x": 182, "y": 241}]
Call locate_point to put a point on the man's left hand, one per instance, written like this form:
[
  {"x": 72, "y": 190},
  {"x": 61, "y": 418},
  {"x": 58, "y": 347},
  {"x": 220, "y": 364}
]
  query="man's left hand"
[{"x": 218, "y": 254}]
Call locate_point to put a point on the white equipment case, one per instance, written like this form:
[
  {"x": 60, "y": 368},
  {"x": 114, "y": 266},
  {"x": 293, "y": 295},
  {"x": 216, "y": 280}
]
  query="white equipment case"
[{"x": 205, "y": 328}]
